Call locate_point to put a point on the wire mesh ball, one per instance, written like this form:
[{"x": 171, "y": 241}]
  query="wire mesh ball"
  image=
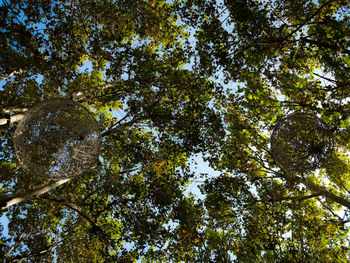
[
  {"x": 301, "y": 142},
  {"x": 57, "y": 138}
]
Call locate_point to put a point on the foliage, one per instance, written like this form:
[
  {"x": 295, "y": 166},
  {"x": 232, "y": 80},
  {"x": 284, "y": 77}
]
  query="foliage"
[{"x": 167, "y": 80}]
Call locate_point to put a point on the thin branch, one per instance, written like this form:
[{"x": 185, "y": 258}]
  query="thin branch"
[
  {"x": 279, "y": 17},
  {"x": 36, "y": 254},
  {"x": 295, "y": 198},
  {"x": 325, "y": 78},
  {"x": 113, "y": 126},
  {"x": 260, "y": 160},
  {"x": 329, "y": 209},
  {"x": 70, "y": 205},
  {"x": 78, "y": 96},
  {"x": 311, "y": 17},
  {"x": 77, "y": 209},
  {"x": 21, "y": 237},
  {"x": 346, "y": 189},
  {"x": 321, "y": 43}
]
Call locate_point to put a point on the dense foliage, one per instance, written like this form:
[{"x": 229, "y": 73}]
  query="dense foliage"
[{"x": 167, "y": 81}]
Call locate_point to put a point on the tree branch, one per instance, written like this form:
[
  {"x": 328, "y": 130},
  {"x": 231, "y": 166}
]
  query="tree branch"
[
  {"x": 80, "y": 95},
  {"x": 77, "y": 96},
  {"x": 71, "y": 205},
  {"x": 11, "y": 74},
  {"x": 14, "y": 109},
  {"x": 321, "y": 190},
  {"x": 113, "y": 126},
  {"x": 119, "y": 124},
  {"x": 13, "y": 199},
  {"x": 77, "y": 209},
  {"x": 330, "y": 210},
  {"x": 325, "y": 78},
  {"x": 11, "y": 119},
  {"x": 294, "y": 198}
]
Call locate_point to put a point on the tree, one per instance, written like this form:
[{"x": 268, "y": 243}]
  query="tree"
[
  {"x": 159, "y": 111},
  {"x": 285, "y": 56},
  {"x": 159, "y": 100}
]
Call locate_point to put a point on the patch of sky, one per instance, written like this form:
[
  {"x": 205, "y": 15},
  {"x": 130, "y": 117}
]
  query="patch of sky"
[
  {"x": 343, "y": 13},
  {"x": 4, "y": 223},
  {"x": 202, "y": 171},
  {"x": 85, "y": 67}
]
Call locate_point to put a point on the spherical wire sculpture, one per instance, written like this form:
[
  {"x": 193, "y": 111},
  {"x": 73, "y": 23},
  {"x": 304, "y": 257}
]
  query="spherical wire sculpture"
[
  {"x": 301, "y": 142},
  {"x": 57, "y": 139}
]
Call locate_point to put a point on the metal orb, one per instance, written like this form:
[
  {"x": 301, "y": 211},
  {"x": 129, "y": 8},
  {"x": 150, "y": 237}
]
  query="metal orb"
[
  {"x": 57, "y": 139},
  {"x": 301, "y": 142}
]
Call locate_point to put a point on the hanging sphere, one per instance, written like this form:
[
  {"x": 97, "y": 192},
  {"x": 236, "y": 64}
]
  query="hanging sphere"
[
  {"x": 57, "y": 138},
  {"x": 301, "y": 142}
]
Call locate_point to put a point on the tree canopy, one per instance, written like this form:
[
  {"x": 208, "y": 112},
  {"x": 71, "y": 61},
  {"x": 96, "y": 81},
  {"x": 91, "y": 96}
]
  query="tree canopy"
[{"x": 168, "y": 81}]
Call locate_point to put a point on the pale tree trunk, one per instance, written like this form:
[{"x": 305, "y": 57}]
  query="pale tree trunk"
[{"x": 13, "y": 199}]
